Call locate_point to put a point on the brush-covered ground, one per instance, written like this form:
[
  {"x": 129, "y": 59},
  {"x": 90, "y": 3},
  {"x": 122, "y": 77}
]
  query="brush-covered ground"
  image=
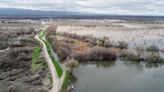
[
  {"x": 22, "y": 66},
  {"x": 105, "y": 40}
]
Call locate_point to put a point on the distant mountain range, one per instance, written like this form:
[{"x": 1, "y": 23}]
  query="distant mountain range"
[
  {"x": 26, "y": 12},
  {"x": 6, "y": 13}
]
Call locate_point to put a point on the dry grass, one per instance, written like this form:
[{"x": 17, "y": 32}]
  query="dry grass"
[
  {"x": 104, "y": 42},
  {"x": 102, "y": 50}
]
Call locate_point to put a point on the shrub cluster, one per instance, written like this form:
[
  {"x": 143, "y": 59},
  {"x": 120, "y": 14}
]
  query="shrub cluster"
[
  {"x": 104, "y": 42},
  {"x": 133, "y": 55},
  {"x": 16, "y": 58},
  {"x": 153, "y": 48},
  {"x": 63, "y": 49},
  {"x": 130, "y": 55},
  {"x": 153, "y": 57},
  {"x": 96, "y": 54},
  {"x": 71, "y": 64}
]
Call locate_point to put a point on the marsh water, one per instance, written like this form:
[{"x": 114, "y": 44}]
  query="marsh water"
[{"x": 119, "y": 76}]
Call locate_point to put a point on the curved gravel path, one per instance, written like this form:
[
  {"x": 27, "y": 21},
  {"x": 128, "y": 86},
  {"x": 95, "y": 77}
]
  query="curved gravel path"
[{"x": 57, "y": 82}]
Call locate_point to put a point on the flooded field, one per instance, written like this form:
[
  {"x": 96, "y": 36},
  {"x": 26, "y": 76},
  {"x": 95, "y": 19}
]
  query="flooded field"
[
  {"x": 137, "y": 49},
  {"x": 113, "y": 34},
  {"x": 119, "y": 76},
  {"x": 117, "y": 31}
]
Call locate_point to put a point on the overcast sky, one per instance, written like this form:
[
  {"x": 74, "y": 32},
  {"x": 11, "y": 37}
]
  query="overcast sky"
[{"x": 128, "y": 7}]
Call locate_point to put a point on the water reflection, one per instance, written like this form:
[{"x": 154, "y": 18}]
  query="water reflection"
[
  {"x": 152, "y": 65},
  {"x": 119, "y": 76},
  {"x": 134, "y": 64},
  {"x": 105, "y": 64}
]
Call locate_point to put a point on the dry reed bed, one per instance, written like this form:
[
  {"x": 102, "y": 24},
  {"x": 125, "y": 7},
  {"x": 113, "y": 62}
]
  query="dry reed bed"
[
  {"x": 114, "y": 34},
  {"x": 150, "y": 54}
]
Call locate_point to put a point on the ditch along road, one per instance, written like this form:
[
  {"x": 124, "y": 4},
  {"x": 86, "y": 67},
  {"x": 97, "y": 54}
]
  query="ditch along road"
[{"x": 57, "y": 82}]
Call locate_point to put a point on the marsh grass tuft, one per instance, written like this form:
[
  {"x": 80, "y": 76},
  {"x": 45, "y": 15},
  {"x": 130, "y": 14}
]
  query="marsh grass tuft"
[{"x": 153, "y": 48}]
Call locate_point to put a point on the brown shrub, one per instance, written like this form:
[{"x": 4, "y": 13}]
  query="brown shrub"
[
  {"x": 96, "y": 54},
  {"x": 51, "y": 31},
  {"x": 133, "y": 55},
  {"x": 62, "y": 49},
  {"x": 153, "y": 48},
  {"x": 153, "y": 57},
  {"x": 24, "y": 31},
  {"x": 130, "y": 55},
  {"x": 3, "y": 41},
  {"x": 105, "y": 42},
  {"x": 123, "y": 45},
  {"x": 15, "y": 58},
  {"x": 29, "y": 42},
  {"x": 71, "y": 64}
]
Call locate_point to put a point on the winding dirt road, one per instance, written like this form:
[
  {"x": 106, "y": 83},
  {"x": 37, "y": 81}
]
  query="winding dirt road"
[{"x": 57, "y": 82}]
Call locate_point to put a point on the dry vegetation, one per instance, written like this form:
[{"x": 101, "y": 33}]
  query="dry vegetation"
[
  {"x": 16, "y": 48},
  {"x": 74, "y": 47},
  {"x": 74, "y": 41},
  {"x": 104, "y": 42},
  {"x": 107, "y": 34},
  {"x": 96, "y": 54}
]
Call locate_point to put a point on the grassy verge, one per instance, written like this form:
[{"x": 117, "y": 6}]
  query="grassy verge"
[
  {"x": 41, "y": 34},
  {"x": 48, "y": 45},
  {"x": 56, "y": 64},
  {"x": 65, "y": 83},
  {"x": 35, "y": 57}
]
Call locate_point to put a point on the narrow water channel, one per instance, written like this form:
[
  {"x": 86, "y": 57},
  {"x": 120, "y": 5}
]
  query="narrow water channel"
[{"x": 119, "y": 76}]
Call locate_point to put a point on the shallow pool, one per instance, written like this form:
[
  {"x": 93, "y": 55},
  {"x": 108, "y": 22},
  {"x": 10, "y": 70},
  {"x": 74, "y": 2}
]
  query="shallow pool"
[{"x": 119, "y": 76}]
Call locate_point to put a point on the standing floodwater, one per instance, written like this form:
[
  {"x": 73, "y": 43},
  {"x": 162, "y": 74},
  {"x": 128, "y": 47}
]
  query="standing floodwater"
[{"x": 119, "y": 76}]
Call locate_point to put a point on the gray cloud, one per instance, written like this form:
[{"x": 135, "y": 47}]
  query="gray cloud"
[{"x": 133, "y": 7}]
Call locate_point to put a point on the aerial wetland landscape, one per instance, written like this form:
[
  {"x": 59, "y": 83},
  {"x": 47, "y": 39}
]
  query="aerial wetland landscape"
[
  {"x": 81, "y": 46},
  {"x": 82, "y": 55}
]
